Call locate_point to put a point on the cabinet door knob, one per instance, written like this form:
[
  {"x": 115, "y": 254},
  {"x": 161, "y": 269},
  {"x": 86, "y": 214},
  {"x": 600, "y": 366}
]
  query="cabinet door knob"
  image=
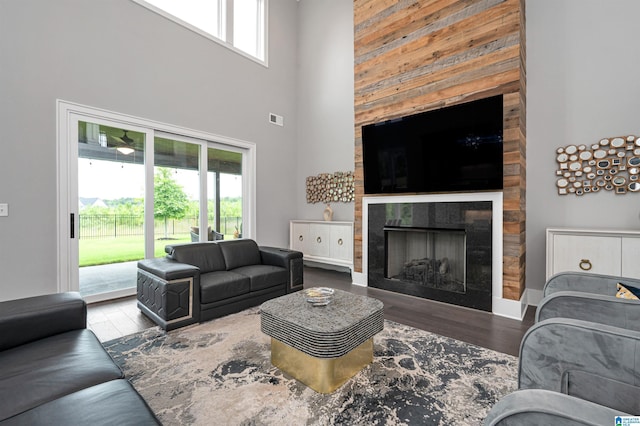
[
  {"x": 340, "y": 242},
  {"x": 301, "y": 238},
  {"x": 319, "y": 240},
  {"x": 585, "y": 264}
]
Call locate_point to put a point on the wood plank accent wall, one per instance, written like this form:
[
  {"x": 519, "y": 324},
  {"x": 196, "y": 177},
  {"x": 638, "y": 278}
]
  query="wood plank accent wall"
[{"x": 418, "y": 55}]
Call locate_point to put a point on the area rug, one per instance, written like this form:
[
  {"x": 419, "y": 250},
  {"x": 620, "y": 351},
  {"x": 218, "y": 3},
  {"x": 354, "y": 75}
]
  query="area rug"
[{"x": 220, "y": 372}]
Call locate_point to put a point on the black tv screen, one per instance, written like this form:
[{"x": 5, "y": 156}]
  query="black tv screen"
[{"x": 453, "y": 149}]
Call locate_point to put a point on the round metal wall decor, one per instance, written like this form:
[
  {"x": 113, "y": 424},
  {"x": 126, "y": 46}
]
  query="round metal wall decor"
[{"x": 611, "y": 164}]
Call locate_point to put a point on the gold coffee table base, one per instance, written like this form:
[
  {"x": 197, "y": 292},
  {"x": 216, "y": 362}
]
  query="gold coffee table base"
[{"x": 323, "y": 375}]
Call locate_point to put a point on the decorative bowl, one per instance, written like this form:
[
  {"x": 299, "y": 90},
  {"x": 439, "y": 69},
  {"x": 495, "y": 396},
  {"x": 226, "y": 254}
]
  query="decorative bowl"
[{"x": 319, "y": 296}]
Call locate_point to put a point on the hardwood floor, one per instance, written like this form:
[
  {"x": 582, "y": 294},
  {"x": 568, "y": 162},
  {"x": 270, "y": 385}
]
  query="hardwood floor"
[
  {"x": 110, "y": 320},
  {"x": 117, "y": 318},
  {"x": 468, "y": 325}
]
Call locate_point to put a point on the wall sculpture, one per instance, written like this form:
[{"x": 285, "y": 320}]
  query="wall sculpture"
[
  {"x": 331, "y": 188},
  {"x": 613, "y": 164}
]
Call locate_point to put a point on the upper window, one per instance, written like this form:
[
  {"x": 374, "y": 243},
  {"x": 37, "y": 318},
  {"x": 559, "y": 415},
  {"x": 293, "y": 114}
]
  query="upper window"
[{"x": 238, "y": 23}]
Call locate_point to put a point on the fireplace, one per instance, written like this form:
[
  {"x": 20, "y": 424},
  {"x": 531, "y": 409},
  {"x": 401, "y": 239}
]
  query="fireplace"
[
  {"x": 434, "y": 258},
  {"x": 435, "y": 250}
]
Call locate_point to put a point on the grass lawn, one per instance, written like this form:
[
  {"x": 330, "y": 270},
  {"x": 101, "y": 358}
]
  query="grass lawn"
[{"x": 102, "y": 251}]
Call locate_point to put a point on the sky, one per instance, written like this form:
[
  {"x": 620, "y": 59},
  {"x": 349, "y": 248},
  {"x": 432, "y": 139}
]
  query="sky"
[{"x": 110, "y": 180}]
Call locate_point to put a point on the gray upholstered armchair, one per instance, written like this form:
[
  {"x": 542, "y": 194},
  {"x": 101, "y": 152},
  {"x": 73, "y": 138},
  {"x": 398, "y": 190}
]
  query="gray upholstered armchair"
[
  {"x": 535, "y": 407},
  {"x": 589, "y": 297},
  {"x": 585, "y": 282},
  {"x": 573, "y": 372},
  {"x": 211, "y": 235},
  {"x": 578, "y": 364}
]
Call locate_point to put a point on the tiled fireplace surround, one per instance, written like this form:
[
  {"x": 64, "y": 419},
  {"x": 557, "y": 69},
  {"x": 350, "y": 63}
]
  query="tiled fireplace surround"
[{"x": 498, "y": 304}]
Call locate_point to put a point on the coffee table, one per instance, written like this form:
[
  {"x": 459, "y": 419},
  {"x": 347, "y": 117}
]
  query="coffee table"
[{"x": 322, "y": 346}]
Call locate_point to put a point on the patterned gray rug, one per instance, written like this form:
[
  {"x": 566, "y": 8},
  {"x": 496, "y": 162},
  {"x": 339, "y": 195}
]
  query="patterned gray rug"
[{"x": 220, "y": 372}]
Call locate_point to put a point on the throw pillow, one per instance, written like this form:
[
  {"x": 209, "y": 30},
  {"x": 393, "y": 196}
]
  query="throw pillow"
[{"x": 627, "y": 292}]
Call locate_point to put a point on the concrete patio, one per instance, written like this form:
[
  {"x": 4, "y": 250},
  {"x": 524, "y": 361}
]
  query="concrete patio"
[{"x": 107, "y": 278}]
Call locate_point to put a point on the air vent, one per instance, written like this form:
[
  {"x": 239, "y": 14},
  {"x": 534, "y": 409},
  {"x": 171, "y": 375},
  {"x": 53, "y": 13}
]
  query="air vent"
[{"x": 276, "y": 119}]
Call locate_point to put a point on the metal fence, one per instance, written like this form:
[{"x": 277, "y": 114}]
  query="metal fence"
[{"x": 115, "y": 225}]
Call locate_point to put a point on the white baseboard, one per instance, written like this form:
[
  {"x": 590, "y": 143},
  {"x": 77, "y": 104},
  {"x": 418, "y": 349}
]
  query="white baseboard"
[
  {"x": 513, "y": 309},
  {"x": 359, "y": 278},
  {"x": 516, "y": 309},
  {"x": 533, "y": 296}
]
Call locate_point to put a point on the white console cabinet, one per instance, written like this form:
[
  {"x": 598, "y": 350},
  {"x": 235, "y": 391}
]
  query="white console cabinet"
[
  {"x": 323, "y": 242},
  {"x": 609, "y": 252}
]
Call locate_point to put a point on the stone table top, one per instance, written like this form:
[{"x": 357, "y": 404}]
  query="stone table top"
[{"x": 327, "y": 331}]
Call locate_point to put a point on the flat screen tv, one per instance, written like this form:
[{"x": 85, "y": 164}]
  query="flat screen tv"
[{"x": 453, "y": 149}]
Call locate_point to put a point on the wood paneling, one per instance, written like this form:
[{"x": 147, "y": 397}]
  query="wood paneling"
[{"x": 413, "y": 56}]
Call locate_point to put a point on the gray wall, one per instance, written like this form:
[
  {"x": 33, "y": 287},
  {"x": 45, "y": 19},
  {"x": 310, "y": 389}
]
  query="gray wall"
[
  {"x": 117, "y": 55},
  {"x": 583, "y": 85},
  {"x": 325, "y": 137},
  {"x": 582, "y": 64}
]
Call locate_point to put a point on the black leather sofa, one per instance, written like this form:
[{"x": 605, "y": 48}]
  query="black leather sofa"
[
  {"x": 54, "y": 371},
  {"x": 196, "y": 282}
]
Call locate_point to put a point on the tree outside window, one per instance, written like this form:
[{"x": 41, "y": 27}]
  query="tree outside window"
[{"x": 171, "y": 202}]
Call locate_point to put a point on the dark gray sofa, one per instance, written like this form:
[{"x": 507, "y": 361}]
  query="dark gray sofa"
[
  {"x": 54, "y": 371},
  {"x": 196, "y": 282}
]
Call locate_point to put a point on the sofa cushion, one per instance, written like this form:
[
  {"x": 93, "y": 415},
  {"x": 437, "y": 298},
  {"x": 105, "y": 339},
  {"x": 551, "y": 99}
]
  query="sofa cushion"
[
  {"x": 263, "y": 276},
  {"x": 239, "y": 253},
  {"x": 38, "y": 372},
  {"x": 206, "y": 256},
  {"x": 26, "y": 320},
  {"x": 221, "y": 285},
  {"x": 114, "y": 403}
]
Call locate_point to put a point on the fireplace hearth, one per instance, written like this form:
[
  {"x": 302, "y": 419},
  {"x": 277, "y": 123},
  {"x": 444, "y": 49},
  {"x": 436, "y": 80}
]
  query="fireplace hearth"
[{"x": 435, "y": 250}]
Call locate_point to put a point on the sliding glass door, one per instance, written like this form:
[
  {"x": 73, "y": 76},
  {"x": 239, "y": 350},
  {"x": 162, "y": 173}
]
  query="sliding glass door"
[
  {"x": 132, "y": 190},
  {"x": 224, "y": 195},
  {"x": 176, "y": 194},
  {"x": 178, "y": 186},
  {"x": 110, "y": 207}
]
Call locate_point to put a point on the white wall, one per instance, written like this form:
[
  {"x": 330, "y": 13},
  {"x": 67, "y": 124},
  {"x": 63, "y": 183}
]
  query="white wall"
[
  {"x": 583, "y": 85},
  {"x": 119, "y": 56},
  {"x": 325, "y": 128}
]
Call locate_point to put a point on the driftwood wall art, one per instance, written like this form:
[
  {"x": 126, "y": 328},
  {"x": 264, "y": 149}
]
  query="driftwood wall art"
[
  {"x": 331, "y": 188},
  {"x": 613, "y": 164}
]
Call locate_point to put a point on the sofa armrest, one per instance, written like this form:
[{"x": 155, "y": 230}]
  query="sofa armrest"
[
  {"x": 168, "y": 292},
  {"x": 586, "y": 283},
  {"x": 590, "y": 361},
  {"x": 291, "y": 260},
  {"x": 26, "y": 320},
  {"x": 278, "y": 256},
  {"x": 536, "y": 407},
  {"x": 168, "y": 269},
  {"x": 608, "y": 310}
]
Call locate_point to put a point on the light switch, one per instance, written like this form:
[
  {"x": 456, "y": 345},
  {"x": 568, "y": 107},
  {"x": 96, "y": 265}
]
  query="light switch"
[{"x": 4, "y": 209}]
